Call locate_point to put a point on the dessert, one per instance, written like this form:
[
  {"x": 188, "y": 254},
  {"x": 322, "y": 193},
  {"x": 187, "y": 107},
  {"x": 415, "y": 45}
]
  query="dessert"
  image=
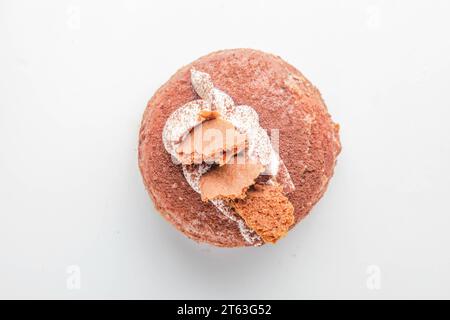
[{"x": 236, "y": 148}]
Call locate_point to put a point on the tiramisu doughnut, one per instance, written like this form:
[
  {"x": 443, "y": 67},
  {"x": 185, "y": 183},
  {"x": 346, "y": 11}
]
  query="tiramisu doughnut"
[{"x": 236, "y": 148}]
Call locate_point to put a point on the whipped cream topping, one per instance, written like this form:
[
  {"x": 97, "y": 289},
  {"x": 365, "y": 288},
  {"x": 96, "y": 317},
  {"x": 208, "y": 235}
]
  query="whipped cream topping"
[
  {"x": 246, "y": 121},
  {"x": 180, "y": 122}
]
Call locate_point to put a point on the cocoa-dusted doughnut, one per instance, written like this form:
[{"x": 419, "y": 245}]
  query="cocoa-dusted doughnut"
[{"x": 257, "y": 95}]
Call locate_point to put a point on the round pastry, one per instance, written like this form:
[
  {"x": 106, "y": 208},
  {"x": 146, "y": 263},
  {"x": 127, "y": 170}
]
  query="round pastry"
[{"x": 236, "y": 148}]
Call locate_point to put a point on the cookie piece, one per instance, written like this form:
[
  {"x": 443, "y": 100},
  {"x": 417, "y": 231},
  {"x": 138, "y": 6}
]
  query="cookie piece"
[{"x": 266, "y": 211}]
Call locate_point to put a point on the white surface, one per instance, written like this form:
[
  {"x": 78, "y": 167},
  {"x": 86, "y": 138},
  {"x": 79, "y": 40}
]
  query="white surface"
[{"x": 75, "y": 77}]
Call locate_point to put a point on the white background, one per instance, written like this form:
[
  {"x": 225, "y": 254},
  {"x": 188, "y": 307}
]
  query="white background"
[{"x": 75, "y": 77}]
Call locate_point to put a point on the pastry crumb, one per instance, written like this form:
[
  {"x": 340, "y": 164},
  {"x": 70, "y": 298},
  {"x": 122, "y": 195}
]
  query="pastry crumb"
[{"x": 266, "y": 210}]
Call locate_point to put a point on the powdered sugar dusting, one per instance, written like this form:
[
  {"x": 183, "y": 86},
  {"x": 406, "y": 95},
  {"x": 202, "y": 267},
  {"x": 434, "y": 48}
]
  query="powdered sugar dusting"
[
  {"x": 246, "y": 120},
  {"x": 221, "y": 102},
  {"x": 274, "y": 164},
  {"x": 193, "y": 173},
  {"x": 283, "y": 178},
  {"x": 181, "y": 122},
  {"x": 202, "y": 84}
]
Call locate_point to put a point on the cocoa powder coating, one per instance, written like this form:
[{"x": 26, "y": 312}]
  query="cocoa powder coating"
[{"x": 283, "y": 98}]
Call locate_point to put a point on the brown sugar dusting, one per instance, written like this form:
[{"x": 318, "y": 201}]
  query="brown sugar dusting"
[
  {"x": 212, "y": 141},
  {"x": 231, "y": 180},
  {"x": 266, "y": 211}
]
